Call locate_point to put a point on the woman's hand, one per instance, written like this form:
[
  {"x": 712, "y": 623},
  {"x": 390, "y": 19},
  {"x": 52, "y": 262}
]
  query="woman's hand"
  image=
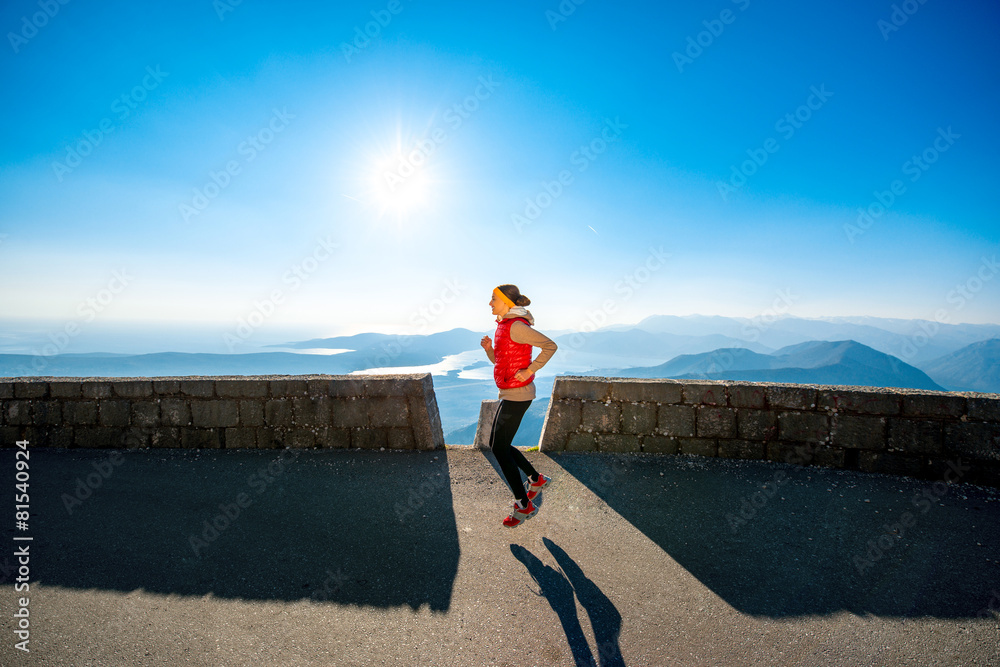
[
  {"x": 486, "y": 343},
  {"x": 522, "y": 375}
]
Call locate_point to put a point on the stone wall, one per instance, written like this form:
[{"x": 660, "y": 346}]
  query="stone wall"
[
  {"x": 898, "y": 431},
  {"x": 370, "y": 412}
]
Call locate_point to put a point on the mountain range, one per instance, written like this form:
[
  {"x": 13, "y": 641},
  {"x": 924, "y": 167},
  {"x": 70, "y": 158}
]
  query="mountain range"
[
  {"x": 816, "y": 362},
  {"x": 869, "y": 351}
]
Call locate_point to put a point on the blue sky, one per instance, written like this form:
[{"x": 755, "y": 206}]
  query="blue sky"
[{"x": 359, "y": 197}]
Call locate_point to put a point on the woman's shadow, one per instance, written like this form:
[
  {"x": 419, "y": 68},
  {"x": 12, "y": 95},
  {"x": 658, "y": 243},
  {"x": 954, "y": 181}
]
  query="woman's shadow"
[{"x": 558, "y": 587}]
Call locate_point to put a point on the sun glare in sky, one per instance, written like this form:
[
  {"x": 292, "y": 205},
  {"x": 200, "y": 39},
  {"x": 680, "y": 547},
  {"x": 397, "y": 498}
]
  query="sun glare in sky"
[{"x": 400, "y": 187}]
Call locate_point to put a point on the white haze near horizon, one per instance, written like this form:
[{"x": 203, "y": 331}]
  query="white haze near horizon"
[{"x": 125, "y": 337}]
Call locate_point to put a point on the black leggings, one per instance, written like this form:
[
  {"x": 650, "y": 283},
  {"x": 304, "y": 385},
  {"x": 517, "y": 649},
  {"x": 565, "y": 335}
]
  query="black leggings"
[{"x": 510, "y": 458}]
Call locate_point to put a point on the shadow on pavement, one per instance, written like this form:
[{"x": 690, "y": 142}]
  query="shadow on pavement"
[
  {"x": 558, "y": 587},
  {"x": 780, "y": 540},
  {"x": 361, "y": 528}
]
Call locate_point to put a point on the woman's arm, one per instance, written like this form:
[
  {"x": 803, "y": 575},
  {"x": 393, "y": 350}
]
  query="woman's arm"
[
  {"x": 488, "y": 346},
  {"x": 522, "y": 333}
]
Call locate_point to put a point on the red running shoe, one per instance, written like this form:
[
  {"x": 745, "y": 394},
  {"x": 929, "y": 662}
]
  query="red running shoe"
[
  {"x": 533, "y": 488},
  {"x": 519, "y": 516}
]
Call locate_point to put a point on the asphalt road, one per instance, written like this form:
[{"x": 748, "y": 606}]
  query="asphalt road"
[{"x": 174, "y": 557}]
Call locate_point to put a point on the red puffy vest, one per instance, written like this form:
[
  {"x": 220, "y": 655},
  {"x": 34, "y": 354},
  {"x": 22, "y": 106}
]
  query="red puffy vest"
[{"x": 510, "y": 357}]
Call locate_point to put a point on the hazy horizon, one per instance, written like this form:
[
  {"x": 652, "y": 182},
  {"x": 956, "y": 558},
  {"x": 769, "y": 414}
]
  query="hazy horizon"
[{"x": 30, "y": 336}]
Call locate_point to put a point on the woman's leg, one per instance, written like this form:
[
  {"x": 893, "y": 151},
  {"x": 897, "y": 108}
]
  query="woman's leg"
[{"x": 505, "y": 425}]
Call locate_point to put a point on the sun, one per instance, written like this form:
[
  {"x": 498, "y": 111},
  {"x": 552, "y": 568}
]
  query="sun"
[{"x": 400, "y": 186}]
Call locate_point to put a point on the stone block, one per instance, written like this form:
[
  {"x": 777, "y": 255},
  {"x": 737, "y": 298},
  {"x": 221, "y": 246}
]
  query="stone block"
[
  {"x": 401, "y": 438},
  {"x": 166, "y": 387},
  {"x": 6, "y": 390},
  {"x": 889, "y": 463},
  {"x": 60, "y": 436},
  {"x": 756, "y": 424},
  {"x": 311, "y": 411},
  {"x": 715, "y": 422},
  {"x": 17, "y": 413},
  {"x": 78, "y": 412},
  {"x": 782, "y": 452},
  {"x": 858, "y": 432},
  {"x": 301, "y": 438},
  {"x": 588, "y": 389},
  {"x": 30, "y": 389},
  {"x": 803, "y": 426},
  {"x": 705, "y": 393},
  {"x": 698, "y": 446},
  {"x": 97, "y": 437},
  {"x": 239, "y": 437},
  {"x": 369, "y": 438},
  {"x": 646, "y": 391},
  {"x": 215, "y": 413},
  {"x": 388, "y": 412},
  {"x": 349, "y": 412},
  {"x": 562, "y": 417},
  {"x": 175, "y": 411},
  {"x": 132, "y": 388},
  {"x": 915, "y": 436},
  {"x": 278, "y": 412},
  {"x": 829, "y": 457},
  {"x": 601, "y": 417},
  {"x": 617, "y": 442},
  {"x": 288, "y": 388},
  {"x": 271, "y": 438},
  {"x": 425, "y": 420},
  {"x": 65, "y": 389},
  {"x": 933, "y": 405},
  {"x": 979, "y": 440},
  {"x": 639, "y": 417},
  {"x": 198, "y": 388},
  {"x": 742, "y": 449},
  {"x": 47, "y": 413},
  {"x": 419, "y": 386},
  {"x": 484, "y": 427},
  {"x": 346, "y": 387},
  {"x": 983, "y": 408},
  {"x": 659, "y": 444},
  {"x": 393, "y": 386},
  {"x": 9, "y": 435},
  {"x": 676, "y": 420},
  {"x": 334, "y": 438},
  {"x": 251, "y": 413},
  {"x": 241, "y": 388},
  {"x": 747, "y": 396},
  {"x": 135, "y": 437},
  {"x": 147, "y": 413},
  {"x": 318, "y": 387},
  {"x": 165, "y": 436},
  {"x": 96, "y": 389},
  {"x": 581, "y": 442},
  {"x": 874, "y": 402},
  {"x": 37, "y": 436},
  {"x": 791, "y": 397},
  {"x": 201, "y": 438},
  {"x": 113, "y": 412}
]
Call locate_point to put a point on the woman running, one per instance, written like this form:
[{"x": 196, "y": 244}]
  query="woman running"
[{"x": 514, "y": 372}]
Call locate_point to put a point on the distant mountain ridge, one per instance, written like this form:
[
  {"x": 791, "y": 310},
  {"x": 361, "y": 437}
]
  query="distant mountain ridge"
[
  {"x": 816, "y": 362},
  {"x": 975, "y": 367},
  {"x": 915, "y": 341}
]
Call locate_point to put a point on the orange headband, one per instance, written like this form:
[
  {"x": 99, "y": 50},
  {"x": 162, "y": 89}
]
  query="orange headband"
[{"x": 503, "y": 297}]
